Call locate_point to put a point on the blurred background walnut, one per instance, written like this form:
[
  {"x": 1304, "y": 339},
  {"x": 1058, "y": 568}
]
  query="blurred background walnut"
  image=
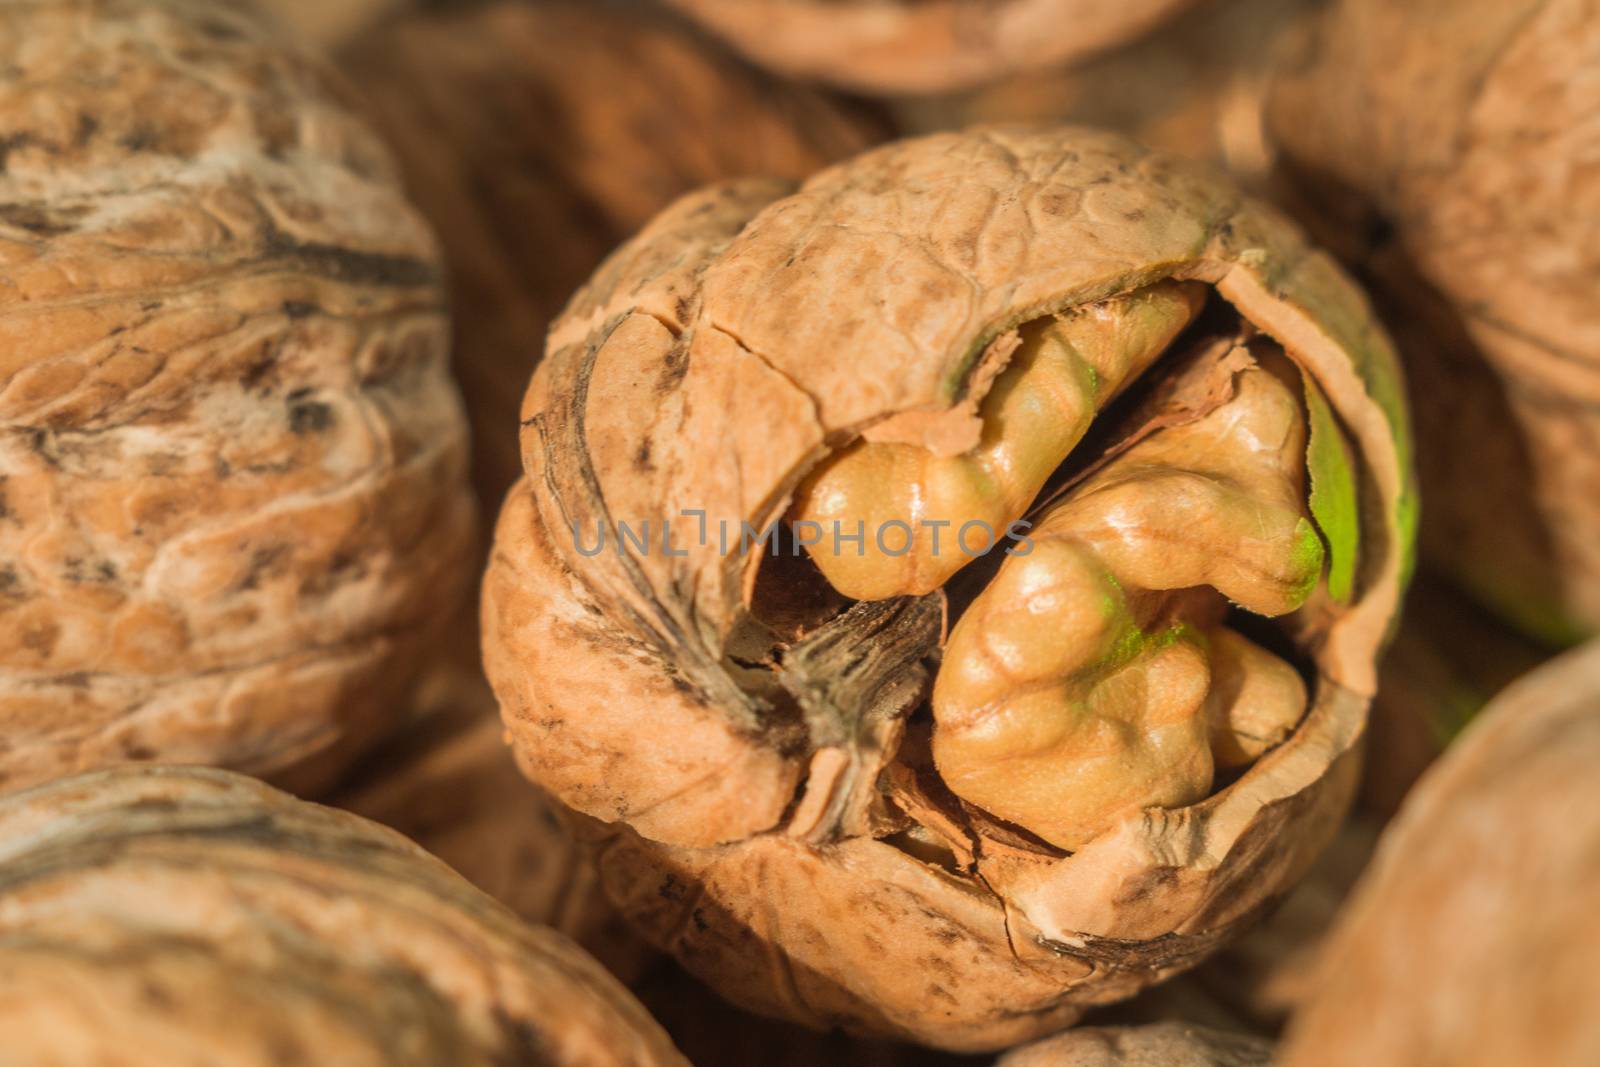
[
  {"x": 1472, "y": 939},
  {"x": 918, "y": 46},
  {"x": 535, "y": 136},
  {"x": 1443, "y": 147},
  {"x": 233, "y": 508},
  {"x": 161, "y": 915}
]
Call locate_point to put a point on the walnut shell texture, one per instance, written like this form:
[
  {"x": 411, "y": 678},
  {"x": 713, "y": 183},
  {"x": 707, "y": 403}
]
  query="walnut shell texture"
[
  {"x": 1155, "y": 1045},
  {"x": 537, "y": 136},
  {"x": 232, "y": 463},
  {"x": 707, "y": 364},
  {"x": 1472, "y": 938},
  {"x": 160, "y": 915},
  {"x": 1450, "y": 143},
  {"x": 918, "y": 46}
]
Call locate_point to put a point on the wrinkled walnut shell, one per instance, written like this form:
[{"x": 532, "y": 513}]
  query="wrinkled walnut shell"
[
  {"x": 1447, "y": 143},
  {"x": 919, "y": 46},
  {"x": 536, "y": 137},
  {"x": 707, "y": 365},
  {"x": 233, "y": 463},
  {"x": 179, "y": 915},
  {"x": 1472, "y": 938}
]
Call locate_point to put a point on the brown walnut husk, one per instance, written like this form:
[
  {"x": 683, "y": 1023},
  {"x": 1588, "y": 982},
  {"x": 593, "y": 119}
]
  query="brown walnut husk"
[
  {"x": 232, "y": 500},
  {"x": 160, "y": 915},
  {"x": 1472, "y": 939},
  {"x": 1447, "y": 145},
  {"x": 768, "y": 841},
  {"x": 537, "y": 136},
  {"x": 922, "y": 46}
]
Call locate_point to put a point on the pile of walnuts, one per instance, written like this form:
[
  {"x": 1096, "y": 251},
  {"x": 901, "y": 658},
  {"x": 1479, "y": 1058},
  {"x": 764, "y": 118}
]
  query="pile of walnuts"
[{"x": 940, "y": 480}]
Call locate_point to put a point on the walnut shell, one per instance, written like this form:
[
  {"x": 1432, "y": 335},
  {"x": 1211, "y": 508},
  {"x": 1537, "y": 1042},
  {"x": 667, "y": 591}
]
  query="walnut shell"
[
  {"x": 160, "y": 915},
  {"x": 1448, "y": 142},
  {"x": 708, "y": 364},
  {"x": 1472, "y": 938},
  {"x": 1156, "y": 1045},
  {"x": 233, "y": 464},
  {"x": 536, "y": 137},
  {"x": 920, "y": 46}
]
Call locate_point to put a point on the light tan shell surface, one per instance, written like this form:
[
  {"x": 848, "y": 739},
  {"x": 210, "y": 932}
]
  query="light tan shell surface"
[
  {"x": 537, "y": 136},
  {"x": 707, "y": 365},
  {"x": 1155, "y": 1045},
  {"x": 166, "y": 915},
  {"x": 1450, "y": 143},
  {"x": 232, "y": 463},
  {"x": 1472, "y": 938},
  {"x": 919, "y": 46}
]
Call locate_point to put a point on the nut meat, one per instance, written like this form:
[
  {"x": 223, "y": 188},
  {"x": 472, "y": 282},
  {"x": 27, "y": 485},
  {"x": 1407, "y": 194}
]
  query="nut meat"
[
  {"x": 163, "y": 915},
  {"x": 232, "y": 465},
  {"x": 823, "y": 803}
]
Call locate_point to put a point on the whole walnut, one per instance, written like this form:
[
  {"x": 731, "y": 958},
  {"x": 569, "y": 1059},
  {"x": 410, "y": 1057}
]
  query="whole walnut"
[
  {"x": 1472, "y": 938},
  {"x": 922, "y": 46},
  {"x": 1178, "y": 420},
  {"x": 537, "y": 136},
  {"x": 232, "y": 470},
  {"x": 1445, "y": 145},
  {"x": 163, "y": 915}
]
